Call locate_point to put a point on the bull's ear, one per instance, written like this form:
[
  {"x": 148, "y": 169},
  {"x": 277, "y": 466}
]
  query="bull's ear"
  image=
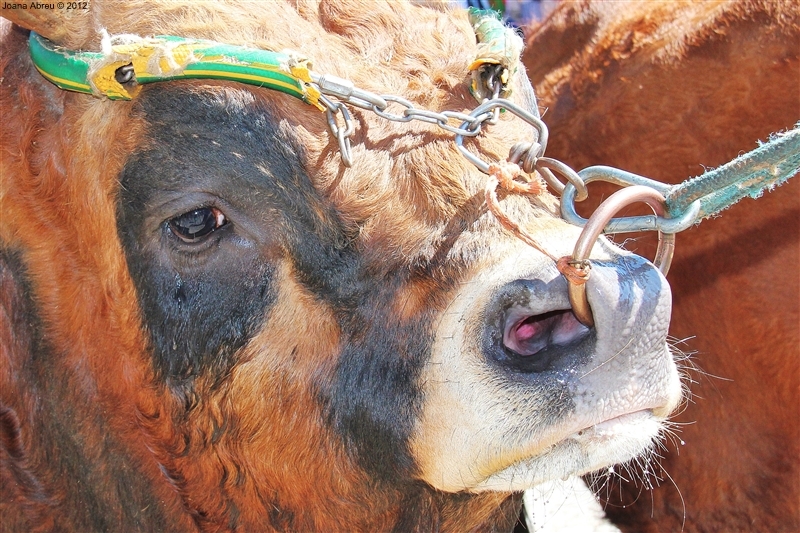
[{"x": 48, "y": 23}]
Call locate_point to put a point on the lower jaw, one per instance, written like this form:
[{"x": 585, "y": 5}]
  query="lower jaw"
[{"x": 610, "y": 442}]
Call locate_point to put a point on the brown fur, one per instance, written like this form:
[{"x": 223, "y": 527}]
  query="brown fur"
[
  {"x": 34, "y": 190},
  {"x": 661, "y": 88}
]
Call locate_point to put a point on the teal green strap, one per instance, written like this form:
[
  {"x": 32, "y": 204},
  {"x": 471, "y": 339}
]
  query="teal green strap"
[
  {"x": 489, "y": 29},
  {"x": 750, "y": 174},
  {"x": 167, "y": 58}
]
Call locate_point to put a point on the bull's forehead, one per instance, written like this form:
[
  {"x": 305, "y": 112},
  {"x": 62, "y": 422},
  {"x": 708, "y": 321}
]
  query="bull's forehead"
[{"x": 377, "y": 45}]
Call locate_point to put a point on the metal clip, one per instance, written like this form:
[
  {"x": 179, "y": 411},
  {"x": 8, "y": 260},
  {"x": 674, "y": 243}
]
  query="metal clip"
[
  {"x": 346, "y": 91},
  {"x": 625, "y": 224}
]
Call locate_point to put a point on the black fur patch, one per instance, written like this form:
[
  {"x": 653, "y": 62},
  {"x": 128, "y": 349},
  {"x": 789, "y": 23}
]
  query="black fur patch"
[
  {"x": 221, "y": 149},
  {"x": 376, "y": 398},
  {"x": 203, "y": 301}
]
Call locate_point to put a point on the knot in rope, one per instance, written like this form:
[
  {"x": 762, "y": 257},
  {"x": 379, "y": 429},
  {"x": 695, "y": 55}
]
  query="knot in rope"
[
  {"x": 505, "y": 175},
  {"x": 576, "y": 272}
]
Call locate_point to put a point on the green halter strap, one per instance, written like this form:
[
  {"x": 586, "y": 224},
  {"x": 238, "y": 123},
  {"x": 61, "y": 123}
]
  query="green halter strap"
[
  {"x": 119, "y": 72},
  {"x": 120, "y": 69}
]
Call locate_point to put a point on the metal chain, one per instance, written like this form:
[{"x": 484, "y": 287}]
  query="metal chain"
[
  {"x": 529, "y": 155},
  {"x": 344, "y": 92},
  {"x": 337, "y": 92},
  {"x": 524, "y": 157}
]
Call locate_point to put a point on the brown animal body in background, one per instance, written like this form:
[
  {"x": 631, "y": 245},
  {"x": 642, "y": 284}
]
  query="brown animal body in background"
[
  {"x": 659, "y": 89},
  {"x": 209, "y": 323}
]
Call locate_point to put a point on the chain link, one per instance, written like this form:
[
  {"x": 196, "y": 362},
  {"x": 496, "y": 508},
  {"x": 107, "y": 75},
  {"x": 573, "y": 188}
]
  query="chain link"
[
  {"x": 529, "y": 157},
  {"x": 332, "y": 110},
  {"x": 344, "y": 92},
  {"x": 485, "y": 112}
]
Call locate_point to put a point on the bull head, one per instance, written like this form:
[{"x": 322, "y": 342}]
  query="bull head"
[{"x": 228, "y": 329}]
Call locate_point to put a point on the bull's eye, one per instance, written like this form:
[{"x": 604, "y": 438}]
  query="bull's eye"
[{"x": 193, "y": 226}]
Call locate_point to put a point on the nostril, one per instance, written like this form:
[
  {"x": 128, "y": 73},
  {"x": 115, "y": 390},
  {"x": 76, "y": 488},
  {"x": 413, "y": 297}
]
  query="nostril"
[
  {"x": 531, "y": 329},
  {"x": 526, "y": 334}
]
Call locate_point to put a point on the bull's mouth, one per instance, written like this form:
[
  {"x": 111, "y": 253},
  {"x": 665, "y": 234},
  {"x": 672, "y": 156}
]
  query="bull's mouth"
[
  {"x": 611, "y": 441},
  {"x": 611, "y": 427},
  {"x": 527, "y": 334}
]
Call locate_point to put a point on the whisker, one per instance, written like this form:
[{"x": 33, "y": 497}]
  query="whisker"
[{"x": 609, "y": 359}]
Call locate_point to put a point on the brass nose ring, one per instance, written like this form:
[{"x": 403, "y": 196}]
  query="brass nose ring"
[{"x": 577, "y": 267}]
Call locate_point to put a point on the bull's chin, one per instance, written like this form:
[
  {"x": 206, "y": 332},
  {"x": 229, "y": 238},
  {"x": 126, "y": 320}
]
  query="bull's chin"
[{"x": 610, "y": 442}]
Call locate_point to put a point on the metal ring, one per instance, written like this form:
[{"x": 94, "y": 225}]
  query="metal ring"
[
  {"x": 593, "y": 229},
  {"x": 525, "y": 154},
  {"x": 548, "y": 163},
  {"x": 405, "y": 117}
]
